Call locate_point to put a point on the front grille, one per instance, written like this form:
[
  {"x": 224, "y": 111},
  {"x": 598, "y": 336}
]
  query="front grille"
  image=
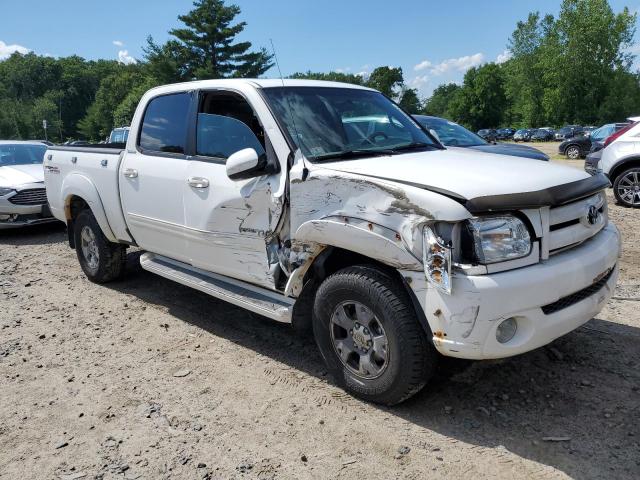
[
  {"x": 574, "y": 298},
  {"x": 569, "y": 225},
  {"x": 32, "y": 196}
]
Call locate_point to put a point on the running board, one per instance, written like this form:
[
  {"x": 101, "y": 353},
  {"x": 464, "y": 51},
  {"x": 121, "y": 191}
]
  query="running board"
[{"x": 259, "y": 300}]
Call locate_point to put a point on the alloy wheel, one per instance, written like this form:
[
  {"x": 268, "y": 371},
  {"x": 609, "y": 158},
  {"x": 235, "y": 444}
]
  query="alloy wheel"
[
  {"x": 359, "y": 340},
  {"x": 629, "y": 188},
  {"x": 89, "y": 247}
]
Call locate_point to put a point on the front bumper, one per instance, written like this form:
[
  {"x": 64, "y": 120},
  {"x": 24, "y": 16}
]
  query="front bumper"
[
  {"x": 23, "y": 215},
  {"x": 464, "y": 323}
]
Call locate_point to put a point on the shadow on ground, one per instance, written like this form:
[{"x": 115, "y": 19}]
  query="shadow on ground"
[
  {"x": 42, "y": 234},
  {"x": 583, "y": 390}
]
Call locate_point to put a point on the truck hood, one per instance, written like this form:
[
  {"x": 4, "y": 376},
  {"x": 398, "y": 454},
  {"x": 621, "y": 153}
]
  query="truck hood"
[
  {"x": 16, "y": 175},
  {"x": 465, "y": 174},
  {"x": 513, "y": 150}
]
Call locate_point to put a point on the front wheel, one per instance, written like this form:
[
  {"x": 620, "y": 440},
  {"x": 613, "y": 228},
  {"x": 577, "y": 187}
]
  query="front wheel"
[
  {"x": 101, "y": 260},
  {"x": 626, "y": 187},
  {"x": 369, "y": 336},
  {"x": 573, "y": 152}
]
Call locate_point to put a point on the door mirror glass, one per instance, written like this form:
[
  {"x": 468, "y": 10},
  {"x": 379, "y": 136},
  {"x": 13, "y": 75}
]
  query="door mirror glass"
[{"x": 245, "y": 164}]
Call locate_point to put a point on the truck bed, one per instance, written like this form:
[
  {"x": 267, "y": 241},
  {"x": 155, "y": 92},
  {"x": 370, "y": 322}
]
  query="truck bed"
[{"x": 92, "y": 169}]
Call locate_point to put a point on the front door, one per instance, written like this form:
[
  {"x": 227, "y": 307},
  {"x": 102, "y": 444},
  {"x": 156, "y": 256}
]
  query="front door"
[
  {"x": 154, "y": 175},
  {"x": 229, "y": 222}
]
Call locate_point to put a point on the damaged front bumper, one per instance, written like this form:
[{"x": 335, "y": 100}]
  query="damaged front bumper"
[{"x": 547, "y": 300}]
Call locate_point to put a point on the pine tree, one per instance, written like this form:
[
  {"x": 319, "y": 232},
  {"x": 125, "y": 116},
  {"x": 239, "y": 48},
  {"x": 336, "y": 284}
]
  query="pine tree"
[{"x": 205, "y": 47}]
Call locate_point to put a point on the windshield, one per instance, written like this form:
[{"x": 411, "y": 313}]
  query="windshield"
[
  {"x": 451, "y": 134},
  {"x": 329, "y": 123},
  {"x": 17, "y": 154}
]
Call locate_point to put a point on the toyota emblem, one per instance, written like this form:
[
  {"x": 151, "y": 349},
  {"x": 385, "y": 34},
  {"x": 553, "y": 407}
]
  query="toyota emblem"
[{"x": 593, "y": 215}]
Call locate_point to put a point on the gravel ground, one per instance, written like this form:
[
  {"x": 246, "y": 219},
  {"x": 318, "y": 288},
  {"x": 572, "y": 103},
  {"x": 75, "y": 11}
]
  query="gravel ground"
[{"x": 145, "y": 378}]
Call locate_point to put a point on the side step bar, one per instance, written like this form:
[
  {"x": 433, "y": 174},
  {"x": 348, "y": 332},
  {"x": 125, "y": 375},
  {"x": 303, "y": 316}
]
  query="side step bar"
[{"x": 259, "y": 300}]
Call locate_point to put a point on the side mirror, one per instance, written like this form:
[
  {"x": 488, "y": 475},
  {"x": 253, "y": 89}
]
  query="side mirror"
[{"x": 246, "y": 164}]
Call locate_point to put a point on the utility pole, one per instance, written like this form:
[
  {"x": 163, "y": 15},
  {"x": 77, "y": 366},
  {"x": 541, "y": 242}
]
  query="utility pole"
[{"x": 44, "y": 125}]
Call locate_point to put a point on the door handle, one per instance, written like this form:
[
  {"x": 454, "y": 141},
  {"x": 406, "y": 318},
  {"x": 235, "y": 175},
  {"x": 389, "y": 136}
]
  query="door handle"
[
  {"x": 198, "y": 182},
  {"x": 130, "y": 173}
]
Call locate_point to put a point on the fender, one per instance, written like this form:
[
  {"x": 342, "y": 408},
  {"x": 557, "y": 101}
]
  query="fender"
[
  {"x": 78, "y": 185},
  {"x": 360, "y": 236}
]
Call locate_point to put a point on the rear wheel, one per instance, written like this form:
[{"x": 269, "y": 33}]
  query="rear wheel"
[
  {"x": 369, "y": 336},
  {"x": 626, "y": 187},
  {"x": 573, "y": 152},
  {"x": 101, "y": 260}
]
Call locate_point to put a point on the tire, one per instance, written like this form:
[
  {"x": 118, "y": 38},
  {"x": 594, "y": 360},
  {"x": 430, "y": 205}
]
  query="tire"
[
  {"x": 626, "y": 188},
  {"x": 572, "y": 152},
  {"x": 382, "y": 319},
  {"x": 101, "y": 260}
]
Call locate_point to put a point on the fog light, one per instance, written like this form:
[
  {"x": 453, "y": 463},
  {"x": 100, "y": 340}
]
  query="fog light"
[
  {"x": 506, "y": 330},
  {"x": 7, "y": 218}
]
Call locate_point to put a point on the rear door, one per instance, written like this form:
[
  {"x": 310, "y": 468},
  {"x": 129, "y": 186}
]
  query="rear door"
[{"x": 152, "y": 178}]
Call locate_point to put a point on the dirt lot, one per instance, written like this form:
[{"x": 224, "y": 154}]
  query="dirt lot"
[{"x": 147, "y": 379}]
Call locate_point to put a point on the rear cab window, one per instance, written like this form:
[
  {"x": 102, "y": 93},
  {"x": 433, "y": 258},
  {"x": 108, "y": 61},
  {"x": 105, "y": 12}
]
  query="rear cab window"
[{"x": 165, "y": 124}]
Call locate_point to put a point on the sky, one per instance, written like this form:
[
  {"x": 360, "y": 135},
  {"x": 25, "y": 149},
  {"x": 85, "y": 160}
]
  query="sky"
[{"x": 434, "y": 42}]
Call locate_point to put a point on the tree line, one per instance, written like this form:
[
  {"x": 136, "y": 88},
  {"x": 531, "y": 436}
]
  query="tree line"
[{"x": 576, "y": 68}]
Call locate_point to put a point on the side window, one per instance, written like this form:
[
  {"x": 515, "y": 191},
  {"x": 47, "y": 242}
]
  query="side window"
[
  {"x": 164, "y": 127},
  {"x": 226, "y": 125}
]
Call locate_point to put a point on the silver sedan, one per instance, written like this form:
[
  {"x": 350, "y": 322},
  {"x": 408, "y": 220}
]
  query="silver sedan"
[{"x": 23, "y": 198}]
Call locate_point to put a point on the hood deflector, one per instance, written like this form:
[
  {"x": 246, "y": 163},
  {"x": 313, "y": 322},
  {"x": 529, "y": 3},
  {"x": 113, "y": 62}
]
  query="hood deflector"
[{"x": 549, "y": 197}]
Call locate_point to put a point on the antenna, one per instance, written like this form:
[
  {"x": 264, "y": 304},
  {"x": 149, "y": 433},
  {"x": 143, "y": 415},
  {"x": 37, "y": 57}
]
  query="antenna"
[{"x": 290, "y": 110}]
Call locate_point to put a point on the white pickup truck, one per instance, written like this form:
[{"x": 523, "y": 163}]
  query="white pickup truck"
[{"x": 326, "y": 206}]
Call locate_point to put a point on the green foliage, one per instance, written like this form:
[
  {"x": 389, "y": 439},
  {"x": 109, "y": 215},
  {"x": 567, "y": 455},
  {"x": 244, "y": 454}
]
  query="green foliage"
[
  {"x": 330, "y": 77},
  {"x": 387, "y": 80},
  {"x": 573, "y": 68},
  {"x": 206, "y": 47},
  {"x": 440, "y": 100},
  {"x": 409, "y": 101},
  {"x": 114, "y": 89}
]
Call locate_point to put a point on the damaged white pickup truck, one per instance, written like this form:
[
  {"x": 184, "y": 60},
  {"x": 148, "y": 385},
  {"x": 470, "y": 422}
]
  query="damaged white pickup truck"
[{"x": 325, "y": 205}]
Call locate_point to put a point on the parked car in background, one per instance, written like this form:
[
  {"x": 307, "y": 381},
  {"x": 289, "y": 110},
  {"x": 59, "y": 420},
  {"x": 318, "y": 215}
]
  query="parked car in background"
[
  {"x": 587, "y": 130},
  {"x": 505, "y": 133},
  {"x": 23, "y": 199},
  {"x": 580, "y": 146},
  {"x": 489, "y": 134},
  {"x": 523, "y": 135},
  {"x": 277, "y": 197},
  {"x": 568, "y": 131},
  {"x": 541, "y": 135},
  {"x": 119, "y": 135},
  {"x": 619, "y": 160},
  {"x": 453, "y": 135}
]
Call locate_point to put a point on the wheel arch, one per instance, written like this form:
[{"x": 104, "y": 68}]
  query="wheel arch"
[
  {"x": 622, "y": 166},
  {"x": 80, "y": 193},
  {"x": 332, "y": 259}
]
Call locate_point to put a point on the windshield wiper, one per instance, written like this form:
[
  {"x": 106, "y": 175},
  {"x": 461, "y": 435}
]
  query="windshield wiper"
[
  {"x": 412, "y": 146},
  {"x": 351, "y": 154}
]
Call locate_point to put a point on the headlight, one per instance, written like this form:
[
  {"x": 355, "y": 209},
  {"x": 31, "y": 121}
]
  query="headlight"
[
  {"x": 436, "y": 257},
  {"x": 5, "y": 191},
  {"x": 499, "y": 238}
]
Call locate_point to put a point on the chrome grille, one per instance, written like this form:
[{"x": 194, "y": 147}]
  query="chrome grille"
[
  {"x": 572, "y": 224},
  {"x": 31, "y": 196}
]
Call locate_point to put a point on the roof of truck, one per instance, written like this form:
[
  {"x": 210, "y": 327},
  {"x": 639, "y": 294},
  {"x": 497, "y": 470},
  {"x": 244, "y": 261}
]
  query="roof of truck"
[{"x": 259, "y": 83}]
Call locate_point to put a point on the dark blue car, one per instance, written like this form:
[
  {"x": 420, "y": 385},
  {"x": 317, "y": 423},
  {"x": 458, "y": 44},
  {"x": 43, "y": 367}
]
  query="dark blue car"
[{"x": 451, "y": 134}]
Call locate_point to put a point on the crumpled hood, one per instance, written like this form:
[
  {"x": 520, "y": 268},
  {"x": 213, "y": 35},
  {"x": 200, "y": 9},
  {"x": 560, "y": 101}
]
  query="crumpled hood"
[
  {"x": 16, "y": 175},
  {"x": 463, "y": 172}
]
